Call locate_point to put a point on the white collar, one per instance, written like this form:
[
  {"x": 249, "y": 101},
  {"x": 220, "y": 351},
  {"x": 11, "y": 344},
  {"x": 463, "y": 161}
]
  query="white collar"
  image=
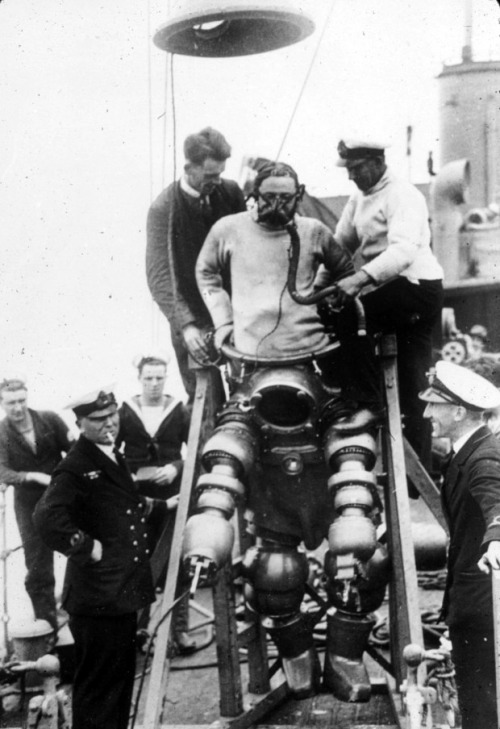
[
  {"x": 107, "y": 450},
  {"x": 187, "y": 187},
  {"x": 458, "y": 444}
]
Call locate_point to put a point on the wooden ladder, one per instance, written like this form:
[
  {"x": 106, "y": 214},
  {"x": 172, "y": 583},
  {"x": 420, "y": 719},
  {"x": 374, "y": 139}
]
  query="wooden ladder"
[{"x": 399, "y": 460}]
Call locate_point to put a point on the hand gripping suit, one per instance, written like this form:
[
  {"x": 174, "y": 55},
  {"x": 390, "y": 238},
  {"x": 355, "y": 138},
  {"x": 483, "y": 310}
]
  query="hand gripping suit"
[{"x": 280, "y": 446}]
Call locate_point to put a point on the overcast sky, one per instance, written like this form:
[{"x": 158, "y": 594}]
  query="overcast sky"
[{"x": 82, "y": 94}]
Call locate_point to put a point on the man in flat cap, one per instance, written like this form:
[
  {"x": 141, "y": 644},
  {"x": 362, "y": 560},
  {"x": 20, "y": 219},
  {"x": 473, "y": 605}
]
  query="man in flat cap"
[
  {"x": 32, "y": 442},
  {"x": 456, "y": 400},
  {"x": 93, "y": 514},
  {"x": 385, "y": 225},
  {"x": 178, "y": 222}
]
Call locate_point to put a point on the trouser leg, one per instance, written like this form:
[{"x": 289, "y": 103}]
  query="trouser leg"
[
  {"x": 474, "y": 659},
  {"x": 39, "y": 559},
  {"x": 104, "y": 670},
  {"x": 188, "y": 375},
  {"x": 410, "y": 311}
]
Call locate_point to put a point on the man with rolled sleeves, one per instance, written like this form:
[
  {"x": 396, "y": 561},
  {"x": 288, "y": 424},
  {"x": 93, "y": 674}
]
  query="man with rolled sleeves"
[
  {"x": 93, "y": 514},
  {"x": 385, "y": 226},
  {"x": 456, "y": 401}
]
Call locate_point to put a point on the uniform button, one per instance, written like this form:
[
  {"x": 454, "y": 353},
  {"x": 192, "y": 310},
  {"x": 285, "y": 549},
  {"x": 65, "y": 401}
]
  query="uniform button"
[
  {"x": 145, "y": 534},
  {"x": 129, "y": 511},
  {"x": 132, "y": 527},
  {"x": 143, "y": 520},
  {"x": 147, "y": 551},
  {"x": 136, "y": 559},
  {"x": 135, "y": 542}
]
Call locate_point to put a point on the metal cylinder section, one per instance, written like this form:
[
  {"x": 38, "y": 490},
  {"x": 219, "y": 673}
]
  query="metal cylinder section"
[
  {"x": 350, "y": 451},
  {"x": 352, "y": 535},
  {"x": 285, "y": 398},
  {"x": 208, "y": 536},
  {"x": 352, "y": 532},
  {"x": 275, "y": 577}
]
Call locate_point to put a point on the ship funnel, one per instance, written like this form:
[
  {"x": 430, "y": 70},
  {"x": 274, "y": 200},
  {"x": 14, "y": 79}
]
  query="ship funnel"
[
  {"x": 216, "y": 29},
  {"x": 448, "y": 192}
]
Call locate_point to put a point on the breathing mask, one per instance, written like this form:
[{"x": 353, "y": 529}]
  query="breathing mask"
[{"x": 276, "y": 209}]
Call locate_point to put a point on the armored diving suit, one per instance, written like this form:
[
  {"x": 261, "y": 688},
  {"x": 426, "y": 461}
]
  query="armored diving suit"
[{"x": 285, "y": 444}]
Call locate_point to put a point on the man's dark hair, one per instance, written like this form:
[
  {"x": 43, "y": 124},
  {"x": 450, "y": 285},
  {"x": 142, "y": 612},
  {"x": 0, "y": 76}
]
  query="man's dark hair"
[
  {"x": 209, "y": 143},
  {"x": 274, "y": 169},
  {"x": 151, "y": 361}
]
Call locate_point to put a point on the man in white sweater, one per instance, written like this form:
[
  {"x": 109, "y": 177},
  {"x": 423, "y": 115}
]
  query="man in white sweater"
[
  {"x": 253, "y": 248},
  {"x": 385, "y": 225}
]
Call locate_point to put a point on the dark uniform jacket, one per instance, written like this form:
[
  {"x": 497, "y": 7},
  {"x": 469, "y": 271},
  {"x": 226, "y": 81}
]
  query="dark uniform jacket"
[
  {"x": 16, "y": 456},
  {"x": 90, "y": 497},
  {"x": 471, "y": 503},
  {"x": 142, "y": 449},
  {"x": 173, "y": 245}
]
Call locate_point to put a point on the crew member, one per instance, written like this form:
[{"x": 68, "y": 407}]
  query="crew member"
[
  {"x": 456, "y": 401},
  {"x": 154, "y": 426},
  {"x": 178, "y": 222},
  {"x": 386, "y": 223},
  {"x": 93, "y": 514},
  {"x": 32, "y": 442}
]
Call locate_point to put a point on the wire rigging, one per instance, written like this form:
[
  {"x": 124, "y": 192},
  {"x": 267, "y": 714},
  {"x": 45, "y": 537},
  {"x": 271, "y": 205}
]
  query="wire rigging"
[{"x": 306, "y": 80}]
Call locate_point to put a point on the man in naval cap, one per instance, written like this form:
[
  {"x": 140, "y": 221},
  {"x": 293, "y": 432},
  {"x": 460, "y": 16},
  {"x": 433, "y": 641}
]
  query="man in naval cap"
[
  {"x": 93, "y": 514},
  {"x": 385, "y": 226},
  {"x": 456, "y": 400}
]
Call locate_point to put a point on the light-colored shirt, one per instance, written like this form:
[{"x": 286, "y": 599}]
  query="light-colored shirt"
[
  {"x": 389, "y": 228},
  {"x": 108, "y": 451},
  {"x": 152, "y": 416},
  {"x": 187, "y": 187},
  {"x": 460, "y": 442}
]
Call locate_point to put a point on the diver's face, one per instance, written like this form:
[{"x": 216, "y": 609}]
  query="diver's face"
[{"x": 277, "y": 201}]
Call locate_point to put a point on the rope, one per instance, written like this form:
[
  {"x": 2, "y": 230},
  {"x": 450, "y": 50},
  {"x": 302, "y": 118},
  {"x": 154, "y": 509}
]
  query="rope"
[
  {"x": 150, "y": 101},
  {"x": 164, "y": 116},
  {"x": 306, "y": 79},
  {"x": 174, "y": 119}
]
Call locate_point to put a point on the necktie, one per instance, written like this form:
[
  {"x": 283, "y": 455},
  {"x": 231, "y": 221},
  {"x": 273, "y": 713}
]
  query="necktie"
[
  {"x": 445, "y": 463},
  {"x": 206, "y": 209}
]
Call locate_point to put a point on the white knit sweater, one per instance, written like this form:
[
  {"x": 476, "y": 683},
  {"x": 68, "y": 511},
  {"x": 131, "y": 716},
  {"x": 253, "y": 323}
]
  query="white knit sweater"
[
  {"x": 389, "y": 224},
  {"x": 266, "y": 320}
]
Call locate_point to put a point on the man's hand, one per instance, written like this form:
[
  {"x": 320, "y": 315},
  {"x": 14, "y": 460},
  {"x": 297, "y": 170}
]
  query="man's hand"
[
  {"x": 43, "y": 479},
  {"x": 351, "y": 286},
  {"x": 195, "y": 342},
  {"x": 491, "y": 558},
  {"x": 173, "y": 502},
  {"x": 96, "y": 553},
  {"x": 165, "y": 475}
]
